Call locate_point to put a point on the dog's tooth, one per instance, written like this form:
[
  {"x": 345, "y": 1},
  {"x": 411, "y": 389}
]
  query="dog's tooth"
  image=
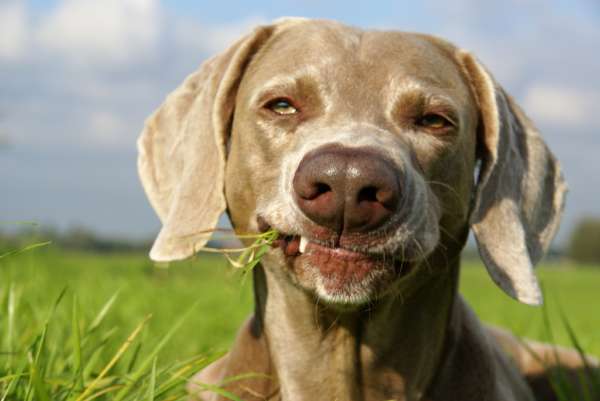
[{"x": 303, "y": 242}]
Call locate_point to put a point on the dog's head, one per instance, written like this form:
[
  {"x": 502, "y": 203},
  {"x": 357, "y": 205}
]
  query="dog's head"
[{"x": 367, "y": 151}]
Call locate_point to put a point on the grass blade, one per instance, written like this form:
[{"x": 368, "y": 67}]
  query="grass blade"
[
  {"x": 557, "y": 378},
  {"x": 182, "y": 372},
  {"x": 142, "y": 369},
  {"x": 245, "y": 376},
  {"x": 103, "y": 312},
  {"x": 40, "y": 341},
  {"x": 115, "y": 358},
  {"x": 102, "y": 392},
  {"x": 38, "y": 384},
  {"x": 24, "y": 249},
  {"x": 18, "y": 376},
  {"x": 134, "y": 357},
  {"x": 216, "y": 389},
  {"x": 152, "y": 384},
  {"x": 10, "y": 329},
  {"x": 77, "y": 366},
  {"x": 591, "y": 376}
]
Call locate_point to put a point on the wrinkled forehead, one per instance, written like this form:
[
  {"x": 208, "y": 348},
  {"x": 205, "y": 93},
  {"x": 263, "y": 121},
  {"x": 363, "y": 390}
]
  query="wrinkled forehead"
[{"x": 351, "y": 61}]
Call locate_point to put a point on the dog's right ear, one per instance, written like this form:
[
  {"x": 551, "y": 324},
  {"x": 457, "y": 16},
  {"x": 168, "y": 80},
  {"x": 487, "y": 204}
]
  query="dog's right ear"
[{"x": 181, "y": 158}]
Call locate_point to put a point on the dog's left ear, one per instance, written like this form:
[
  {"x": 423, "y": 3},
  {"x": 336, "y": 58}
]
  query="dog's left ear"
[
  {"x": 520, "y": 192},
  {"x": 181, "y": 158}
]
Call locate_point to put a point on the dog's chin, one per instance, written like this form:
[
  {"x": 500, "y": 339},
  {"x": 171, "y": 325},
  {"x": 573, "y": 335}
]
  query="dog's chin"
[{"x": 341, "y": 276}]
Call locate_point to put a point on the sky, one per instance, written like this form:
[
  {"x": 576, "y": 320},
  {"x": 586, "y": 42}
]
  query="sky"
[{"x": 79, "y": 77}]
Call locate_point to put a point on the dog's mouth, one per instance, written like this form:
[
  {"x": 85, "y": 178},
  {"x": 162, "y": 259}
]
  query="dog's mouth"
[{"x": 337, "y": 273}]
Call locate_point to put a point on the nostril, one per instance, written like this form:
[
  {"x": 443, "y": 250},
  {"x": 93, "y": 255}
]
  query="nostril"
[
  {"x": 371, "y": 194},
  {"x": 367, "y": 194},
  {"x": 315, "y": 191},
  {"x": 322, "y": 188}
]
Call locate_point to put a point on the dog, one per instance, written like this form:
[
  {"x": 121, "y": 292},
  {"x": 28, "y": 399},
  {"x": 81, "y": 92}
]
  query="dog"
[{"x": 372, "y": 154}]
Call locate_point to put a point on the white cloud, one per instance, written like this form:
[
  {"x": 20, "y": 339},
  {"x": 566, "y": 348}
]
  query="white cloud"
[
  {"x": 13, "y": 30},
  {"x": 112, "y": 62},
  {"x": 109, "y": 129},
  {"x": 561, "y": 105},
  {"x": 211, "y": 39},
  {"x": 522, "y": 41},
  {"x": 95, "y": 35},
  {"x": 108, "y": 31}
]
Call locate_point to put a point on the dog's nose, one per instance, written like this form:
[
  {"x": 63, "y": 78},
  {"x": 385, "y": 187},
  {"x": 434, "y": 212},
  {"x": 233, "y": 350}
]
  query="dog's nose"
[{"x": 347, "y": 189}]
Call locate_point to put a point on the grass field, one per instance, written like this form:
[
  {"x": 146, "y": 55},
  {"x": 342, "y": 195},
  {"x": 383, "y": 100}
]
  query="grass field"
[{"x": 31, "y": 282}]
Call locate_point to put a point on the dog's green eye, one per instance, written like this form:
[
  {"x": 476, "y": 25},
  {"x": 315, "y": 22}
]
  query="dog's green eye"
[
  {"x": 281, "y": 106},
  {"x": 434, "y": 121}
]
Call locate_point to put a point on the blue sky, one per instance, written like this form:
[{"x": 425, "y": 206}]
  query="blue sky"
[{"x": 78, "y": 78}]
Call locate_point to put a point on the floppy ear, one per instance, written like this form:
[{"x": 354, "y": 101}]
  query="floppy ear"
[
  {"x": 181, "y": 158},
  {"x": 520, "y": 193}
]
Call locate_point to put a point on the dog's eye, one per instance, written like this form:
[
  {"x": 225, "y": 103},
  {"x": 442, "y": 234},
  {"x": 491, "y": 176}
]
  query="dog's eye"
[
  {"x": 281, "y": 106},
  {"x": 434, "y": 122}
]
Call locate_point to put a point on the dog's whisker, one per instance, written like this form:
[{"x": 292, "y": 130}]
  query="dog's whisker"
[
  {"x": 421, "y": 255},
  {"x": 316, "y": 313},
  {"x": 449, "y": 235},
  {"x": 452, "y": 191}
]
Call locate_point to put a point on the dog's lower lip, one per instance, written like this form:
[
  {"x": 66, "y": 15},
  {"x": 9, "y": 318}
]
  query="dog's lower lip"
[
  {"x": 339, "y": 269},
  {"x": 342, "y": 253}
]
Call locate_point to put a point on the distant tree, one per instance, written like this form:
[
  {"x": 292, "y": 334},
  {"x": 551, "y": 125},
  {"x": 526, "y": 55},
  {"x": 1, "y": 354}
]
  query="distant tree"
[
  {"x": 75, "y": 238},
  {"x": 584, "y": 245}
]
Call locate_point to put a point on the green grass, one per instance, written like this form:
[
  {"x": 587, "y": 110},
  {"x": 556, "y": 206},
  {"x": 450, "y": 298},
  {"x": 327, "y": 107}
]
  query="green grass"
[
  {"x": 142, "y": 288},
  {"x": 75, "y": 325},
  {"x": 50, "y": 351},
  {"x": 573, "y": 289}
]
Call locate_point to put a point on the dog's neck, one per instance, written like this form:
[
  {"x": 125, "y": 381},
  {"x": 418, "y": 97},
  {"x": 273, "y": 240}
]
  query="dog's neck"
[{"x": 386, "y": 351}]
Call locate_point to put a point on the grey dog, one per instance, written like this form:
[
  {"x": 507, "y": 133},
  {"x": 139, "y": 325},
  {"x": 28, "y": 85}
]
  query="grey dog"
[{"x": 373, "y": 154}]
